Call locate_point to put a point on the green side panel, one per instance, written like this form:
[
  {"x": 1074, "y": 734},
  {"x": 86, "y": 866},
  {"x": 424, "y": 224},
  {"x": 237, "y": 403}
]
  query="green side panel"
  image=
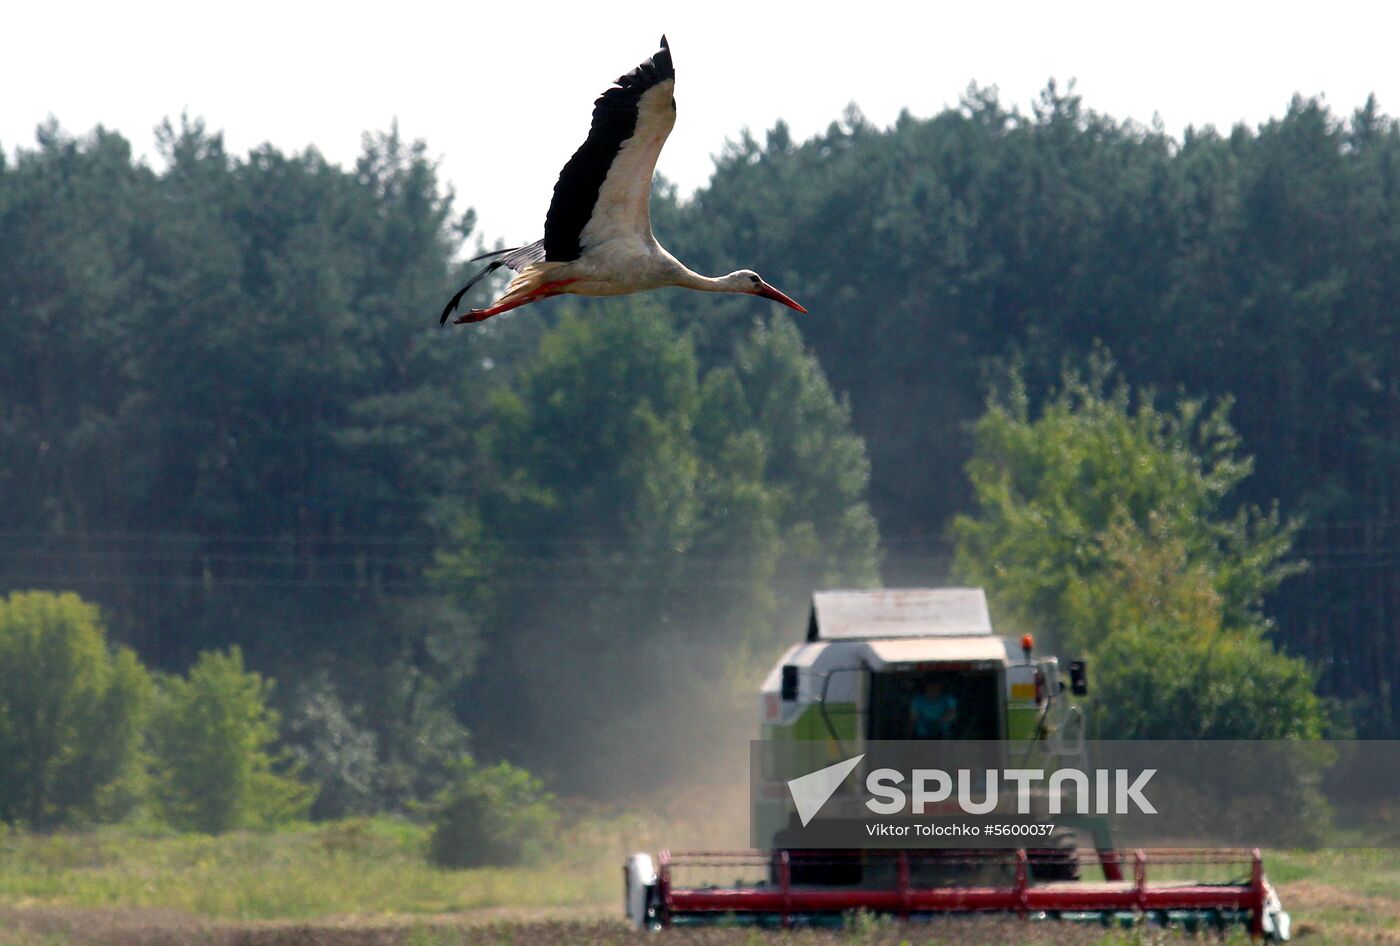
[
  {"x": 1021, "y": 722},
  {"x": 826, "y": 738},
  {"x": 818, "y": 748},
  {"x": 838, "y": 722}
]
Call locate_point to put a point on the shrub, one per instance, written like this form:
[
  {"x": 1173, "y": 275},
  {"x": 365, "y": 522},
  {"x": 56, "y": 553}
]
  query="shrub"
[{"x": 490, "y": 816}]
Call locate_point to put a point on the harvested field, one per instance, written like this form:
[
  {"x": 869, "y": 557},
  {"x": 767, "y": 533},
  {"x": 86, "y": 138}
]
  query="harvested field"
[
  {"x": 153, "y": 928},
  {"x": 363, "y": 883},
  {"x": 1325, "y": 916}
]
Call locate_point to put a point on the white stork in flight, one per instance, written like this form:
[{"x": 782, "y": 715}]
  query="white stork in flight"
[{"x": 597, "y": 234}]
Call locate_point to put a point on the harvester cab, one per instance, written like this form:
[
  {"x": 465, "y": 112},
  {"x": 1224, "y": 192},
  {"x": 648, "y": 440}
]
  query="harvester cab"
[{"x": 924, "y": 664}]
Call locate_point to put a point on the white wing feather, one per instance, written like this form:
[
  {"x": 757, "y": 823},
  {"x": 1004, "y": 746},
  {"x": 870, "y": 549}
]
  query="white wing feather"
[{"x": 623, "y": 209}]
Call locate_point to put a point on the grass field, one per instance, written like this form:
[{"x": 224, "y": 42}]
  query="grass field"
[
  {"x": 373, "y": 867},
  {"x": 364, "y": 882}
]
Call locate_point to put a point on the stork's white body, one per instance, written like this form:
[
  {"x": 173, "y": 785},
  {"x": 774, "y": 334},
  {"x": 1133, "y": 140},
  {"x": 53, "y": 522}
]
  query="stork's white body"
[{"x": 616, "y": 268}]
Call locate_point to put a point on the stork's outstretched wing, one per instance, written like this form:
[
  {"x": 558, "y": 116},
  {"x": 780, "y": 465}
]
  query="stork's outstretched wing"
[
  {"x": 516, "y": 258},
  {"x": 604, "y": 191}
]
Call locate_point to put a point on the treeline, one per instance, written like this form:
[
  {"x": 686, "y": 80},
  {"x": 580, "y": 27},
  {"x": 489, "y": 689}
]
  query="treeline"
[
  {"x": 227, "y": 413},
  {"x": 221, "y": 417},
  {"x": 230, "y": 417},
  {"x": 1254, "y": 264}
]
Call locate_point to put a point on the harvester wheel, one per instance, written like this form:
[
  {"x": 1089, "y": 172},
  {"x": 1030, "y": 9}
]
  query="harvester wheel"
[{"x": 1059, "y": 861}]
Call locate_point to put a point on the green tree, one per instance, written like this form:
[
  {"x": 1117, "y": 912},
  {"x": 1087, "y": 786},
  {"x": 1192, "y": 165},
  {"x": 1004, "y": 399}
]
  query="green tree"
[
  {"x": 71, "y": 710},
  {"x": 211, "y": 738},
  {"x": 1102, "y": 520},
  {"x": 642, "y": 531},
  {"x": 71, "y": 221},
  {"x": 333, "y": 752}
]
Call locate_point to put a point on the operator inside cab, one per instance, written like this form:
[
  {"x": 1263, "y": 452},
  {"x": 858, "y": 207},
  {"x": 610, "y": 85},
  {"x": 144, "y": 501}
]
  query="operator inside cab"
[{"x": 932, "y": 711}]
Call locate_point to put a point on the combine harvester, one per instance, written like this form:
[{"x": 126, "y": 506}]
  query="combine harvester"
[{"x": 867, "y": 654}]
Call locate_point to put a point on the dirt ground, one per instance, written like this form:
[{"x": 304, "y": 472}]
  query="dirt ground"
[
  {"x": 1323, "y": 914},
  {"x": 154, "y": 928},
  {"x": 126, "y": 927}
]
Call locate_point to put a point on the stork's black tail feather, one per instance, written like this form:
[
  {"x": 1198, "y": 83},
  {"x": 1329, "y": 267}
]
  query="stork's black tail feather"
[
  {"x": 463, "y": 291},
  {"x": 517, "y": 258}
]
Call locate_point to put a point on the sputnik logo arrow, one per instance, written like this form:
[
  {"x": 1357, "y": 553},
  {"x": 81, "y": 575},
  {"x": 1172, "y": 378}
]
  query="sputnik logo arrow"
[{"x": 811, "y": 791}]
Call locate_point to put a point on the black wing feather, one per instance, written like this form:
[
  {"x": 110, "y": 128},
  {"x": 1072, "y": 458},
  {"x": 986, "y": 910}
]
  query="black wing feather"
[
  {"x": 614, "y": 120},
  {"x": 517, "y": 258}
]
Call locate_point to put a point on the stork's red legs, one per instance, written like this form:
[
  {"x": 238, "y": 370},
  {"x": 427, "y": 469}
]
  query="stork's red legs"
[
  {"x": 481, "y": 315},
  {"x": 544, "y": 292}
]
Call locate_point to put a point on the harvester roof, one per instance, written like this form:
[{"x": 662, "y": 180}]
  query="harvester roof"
[
  {"x": 897, "y": 653},
  {"x": 900, "y": 612}
]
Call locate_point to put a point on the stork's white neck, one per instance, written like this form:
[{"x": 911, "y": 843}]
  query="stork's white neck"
[{"x": 733, "y": 282}]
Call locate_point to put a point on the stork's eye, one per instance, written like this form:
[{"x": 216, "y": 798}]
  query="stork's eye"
[{"x": 754, "y": 279}]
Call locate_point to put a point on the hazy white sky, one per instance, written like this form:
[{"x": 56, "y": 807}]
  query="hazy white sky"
[{"x": 502, "y": 92}]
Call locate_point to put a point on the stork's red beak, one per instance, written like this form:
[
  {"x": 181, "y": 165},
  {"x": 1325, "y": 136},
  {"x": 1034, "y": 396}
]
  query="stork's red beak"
[{"x": 768, "y": 292}]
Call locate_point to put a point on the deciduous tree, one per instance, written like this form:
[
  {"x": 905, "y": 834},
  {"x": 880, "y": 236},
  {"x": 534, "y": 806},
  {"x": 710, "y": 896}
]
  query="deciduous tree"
[
  {"x": 71, "y": 709},
  {"x": 1109, "y": 523},
  {"x": 212, "y": 737}
]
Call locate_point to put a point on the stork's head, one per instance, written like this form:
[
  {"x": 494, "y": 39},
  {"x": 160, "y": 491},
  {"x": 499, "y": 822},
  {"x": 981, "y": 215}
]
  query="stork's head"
[{"x": 746, "y": 280}]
